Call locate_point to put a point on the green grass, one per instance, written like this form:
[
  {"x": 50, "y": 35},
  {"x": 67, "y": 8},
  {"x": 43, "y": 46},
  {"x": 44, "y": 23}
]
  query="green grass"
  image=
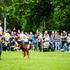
[{"x": 37, "y": 61}]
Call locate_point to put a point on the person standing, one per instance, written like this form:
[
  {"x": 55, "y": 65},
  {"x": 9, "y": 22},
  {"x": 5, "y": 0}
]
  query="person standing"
[
  {"x": 35, "y": 41},
  {"x": 64, "y": 38},
  {"x": 46, "y": 41},
  {"x": 68, "y": 40},
  {"x": 0, "y": 46},
  {"x": 40, "y": 41},
  {"x": 52, "y": 41},
  {"x": 1, "y": 31},
  {"x": 57, "y": 41},
  {"x": 7, "y": 39}
]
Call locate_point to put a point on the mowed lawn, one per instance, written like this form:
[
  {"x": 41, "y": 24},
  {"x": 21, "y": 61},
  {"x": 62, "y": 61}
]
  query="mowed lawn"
[{"x": 37, "y": 61}]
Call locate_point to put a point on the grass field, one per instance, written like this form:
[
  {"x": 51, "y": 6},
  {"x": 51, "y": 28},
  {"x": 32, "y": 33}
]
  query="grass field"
[{"x": 37, "y": 61}]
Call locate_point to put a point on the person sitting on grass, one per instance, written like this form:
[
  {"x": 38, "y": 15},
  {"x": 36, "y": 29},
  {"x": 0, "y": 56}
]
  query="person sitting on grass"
[{"x": 65, "y": 49}]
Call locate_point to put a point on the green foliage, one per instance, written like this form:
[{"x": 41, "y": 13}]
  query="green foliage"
[
  {"x": 61, "y": 14},
  {"x": 30, "y": 15}
]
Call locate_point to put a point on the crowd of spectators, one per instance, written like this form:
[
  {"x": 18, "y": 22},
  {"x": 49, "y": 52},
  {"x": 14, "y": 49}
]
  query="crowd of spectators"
[{"x": 53, "y": 41}]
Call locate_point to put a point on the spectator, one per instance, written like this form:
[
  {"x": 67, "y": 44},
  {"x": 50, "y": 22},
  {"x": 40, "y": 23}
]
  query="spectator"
[
  {"x": 7, "y": 38},
  {"x": 22, "y": 36},
  {"x": 68, "y": 39},
  {"x": 35, "y": 41},
  {"x": 18, "y": 33},
  {"x": 64, "y": 38},
  {"x": 69, "y": 48},
  {"x": 0, "y": 46},
  {"x": 1, "y": 32},
  {"x": 40, "y": 41},
  {"x": 57, "y": 41},
  {"x": 65, "y": 49},
  {"x": 52, "y": 41},
  {"x": 46, "y": 41}
]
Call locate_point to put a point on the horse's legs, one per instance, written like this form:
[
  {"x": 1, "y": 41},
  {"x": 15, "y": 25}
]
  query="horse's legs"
[
  {"x": 24, "y": 53},
  {"x": 27, "y": 53}
]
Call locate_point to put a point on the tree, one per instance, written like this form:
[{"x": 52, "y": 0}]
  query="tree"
[{"x": 30, "y": 15}]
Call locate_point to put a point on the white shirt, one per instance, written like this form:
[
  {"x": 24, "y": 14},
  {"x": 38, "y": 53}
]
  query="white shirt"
[
  {"x": 1, "y": 30},
  {"x": 22, "y": 36},
  {"x": 68, "y": 39}
]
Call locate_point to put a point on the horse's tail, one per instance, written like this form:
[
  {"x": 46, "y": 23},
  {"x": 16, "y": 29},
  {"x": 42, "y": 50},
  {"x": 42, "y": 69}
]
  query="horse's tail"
[{"x": 30, "y": 46}]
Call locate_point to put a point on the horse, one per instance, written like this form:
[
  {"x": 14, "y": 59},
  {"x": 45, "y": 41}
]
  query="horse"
[{"x": 25, "y": 48}]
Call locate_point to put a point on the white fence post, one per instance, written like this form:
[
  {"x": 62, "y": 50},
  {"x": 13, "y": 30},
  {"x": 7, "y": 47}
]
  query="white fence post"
[{"x": 4, "y": 24}]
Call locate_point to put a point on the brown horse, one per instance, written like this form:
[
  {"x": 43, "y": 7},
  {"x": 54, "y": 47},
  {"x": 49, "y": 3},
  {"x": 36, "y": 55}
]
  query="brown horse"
[{"x": 25, "y": 48}]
